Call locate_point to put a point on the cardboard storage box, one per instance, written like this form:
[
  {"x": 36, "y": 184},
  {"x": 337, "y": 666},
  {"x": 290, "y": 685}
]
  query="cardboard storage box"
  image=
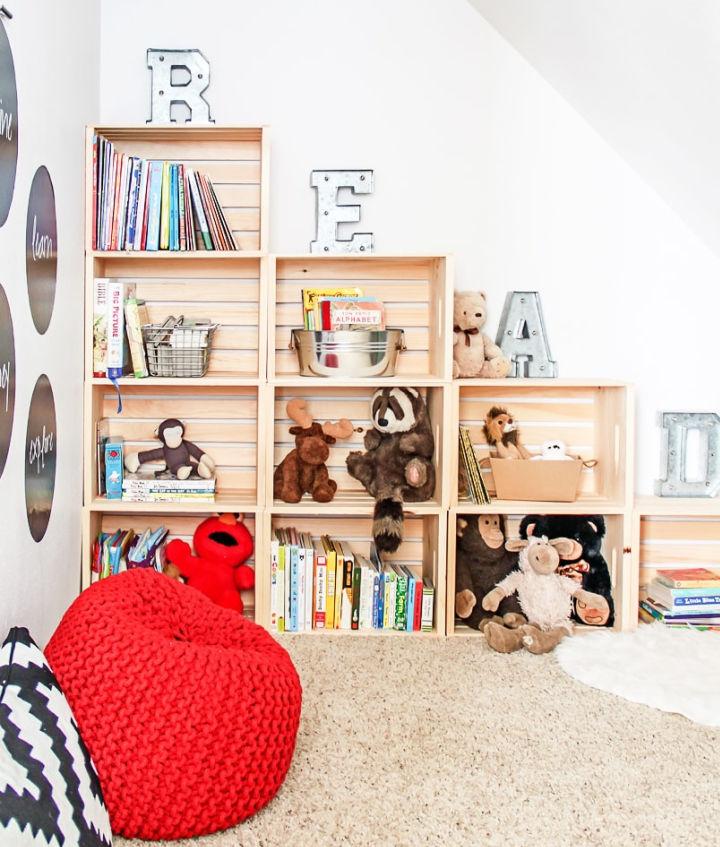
[{"x": 525, "y": 479}]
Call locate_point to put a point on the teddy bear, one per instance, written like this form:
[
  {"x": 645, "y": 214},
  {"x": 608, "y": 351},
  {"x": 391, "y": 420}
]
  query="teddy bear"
[
  {"x": 584, "y": 563},
  {"x": 474, "y": 354},
  {"x": 545, "y": 597},
  {"x": 481, "y": 562},
  {"x": 396, "y": 466},
  {"x": 222, "y": 545},
  {"x": 303, "y": 470}
]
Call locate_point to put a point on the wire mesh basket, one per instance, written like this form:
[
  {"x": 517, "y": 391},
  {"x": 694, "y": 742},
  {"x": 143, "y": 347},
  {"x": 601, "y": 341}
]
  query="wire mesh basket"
[{"x": 177, "y": 348}]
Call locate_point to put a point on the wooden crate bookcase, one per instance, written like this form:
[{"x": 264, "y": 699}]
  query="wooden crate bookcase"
[
  {"x": 593, "y": 418},
  {"x": 237, "y": 411},
  {"x": 616, "y": 550},
  {"x": 330, "y": 401},
  {"x": 422, "y": 550},
  {"x": 235, "y": 158},
  {"x": 416, "y": 291},
  {"x": 675, "y": 532}
]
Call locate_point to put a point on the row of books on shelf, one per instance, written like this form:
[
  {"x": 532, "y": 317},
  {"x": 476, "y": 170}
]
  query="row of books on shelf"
[
  {"x": 684, "y": 597},
  {"x": 146, "y": 204},
  {"x": 124, "y": 549},
  {"x": 341, "y": 308},
  {"x": 324, "y": 584}
]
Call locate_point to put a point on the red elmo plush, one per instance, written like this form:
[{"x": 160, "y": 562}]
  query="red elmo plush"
[{"x": 222, "y": 545}]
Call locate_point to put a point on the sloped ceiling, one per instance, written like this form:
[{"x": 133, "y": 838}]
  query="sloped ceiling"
[{"x": 646, "y": 75}]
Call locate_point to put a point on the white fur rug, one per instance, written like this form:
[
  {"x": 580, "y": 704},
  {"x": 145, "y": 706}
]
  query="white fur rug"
[{"x": 668, "y": 669}]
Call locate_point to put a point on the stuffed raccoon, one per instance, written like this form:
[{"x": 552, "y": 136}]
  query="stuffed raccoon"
[{"x": 397, "y": 465}]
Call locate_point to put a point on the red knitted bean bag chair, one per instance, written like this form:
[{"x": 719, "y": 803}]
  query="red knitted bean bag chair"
[{"x": 189, "y": 710}]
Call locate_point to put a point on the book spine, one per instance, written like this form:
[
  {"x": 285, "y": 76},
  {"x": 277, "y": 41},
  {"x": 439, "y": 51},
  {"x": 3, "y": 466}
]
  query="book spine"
[
  {"x": 366, "y": 598},
  {"x": 428, "y": 598},
  {"x": 417, "y": 614},
  {"x": 390, "y": 596},
  {"x": 181, "y": 207},
  {"x": 96, "y": 161},
  {"x": 346, "y": 599},
  {"x": 115, "y": 330},
  {"x": 300, "y": 617},
  {"x": 117, "y": 173},
  {"x": 133, "y": 202},
  {"x": 330, "y": 593},
  {"x": 381, "y": 601},
  {"x": 320, "y": 591},
  {"x": 142, "y": 197},
  {"x": 356, "y": 587},
  {"x": 310, "y": 587},
  {"x": 401, "y": 602},
  {"x": 410, "y": 604},
  {"x": 274, "y": 557},
  {"x": 135, "y": 339},
  {"x": 294, "y": 587},
  {"x": 281, "y": 589},
  {"x": 224, "y": 223},
  {"x": 154, "y": 204},
  {"x": 375, "y": 598},
  {"x": 100, "y": 327},
  {"x": 165, "y": 207},
  {"x": 210, "y": 215},
  {"x": 199, "y": 213}
]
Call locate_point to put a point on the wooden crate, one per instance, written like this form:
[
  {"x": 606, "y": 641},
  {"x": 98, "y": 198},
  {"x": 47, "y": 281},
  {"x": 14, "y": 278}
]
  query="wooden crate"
[
  {"x": 417, "y": 293},
  {"x": 422, "y": 550},
  {"x": 675, "y": 532},
  {"x": 329, "y": 400},
  {"x": 180, "y": 525},
  {"x": 223, "y": 420},
  {"x": 593, "y": 418},
  {"x": 616, "y": 549},
  {"x": 235, "y": 158},
  {"x": 227, "y": 291}
]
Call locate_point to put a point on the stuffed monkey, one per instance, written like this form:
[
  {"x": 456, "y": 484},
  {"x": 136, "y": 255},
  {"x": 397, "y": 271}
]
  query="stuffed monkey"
[{"x": 181, "y": 457}]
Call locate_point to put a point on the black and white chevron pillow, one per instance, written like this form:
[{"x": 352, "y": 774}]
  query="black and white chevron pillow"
[{"x": 49, "y": 791}]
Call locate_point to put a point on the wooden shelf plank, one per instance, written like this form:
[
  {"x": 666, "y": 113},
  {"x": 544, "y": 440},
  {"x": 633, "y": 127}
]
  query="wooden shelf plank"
[
  {"x": 567, "y": 382},
  {"x": 177, "y": 255},
  {"x": 238, "y": 501},
  {"x": 213, "y": 380},
  {"x": 357, "y": 633},
  {"x": 347, "y": 503},
  {"x": 678, "y": 506},
  {"x": 585, "y": 506},
  {"x": 417, "y": 381}
]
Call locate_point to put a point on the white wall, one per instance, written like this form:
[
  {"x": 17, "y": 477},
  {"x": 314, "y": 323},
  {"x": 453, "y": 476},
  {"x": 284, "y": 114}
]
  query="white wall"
[
  {"x": 56, "y": 59},
  {"x": 643, "y": 74},
  {"x": 474, "y": 154}
]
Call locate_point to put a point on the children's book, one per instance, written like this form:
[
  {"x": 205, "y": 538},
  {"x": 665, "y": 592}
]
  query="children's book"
[
  {"x": 356, "y": 588},
  {"x": 140, "y": 218},
  {"x": 346, "y": 599},
  {"x": 320, "y": 586},
  {"x": 154, "y": 203},
  {"x": 309, "y": 579},
  {"x": 165, "y": 207},
  {"x": 331, "y": 561},
  {"x": 136, "y": 316},
  {"x": 688, "y": 578},
  {"x": 312, "y": 319},
  {"x": 100, "y": 325},
  {"x": 428, "y": 605}
]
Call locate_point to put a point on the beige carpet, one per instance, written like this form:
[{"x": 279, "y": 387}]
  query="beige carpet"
[{"x": 408, "y": 742}]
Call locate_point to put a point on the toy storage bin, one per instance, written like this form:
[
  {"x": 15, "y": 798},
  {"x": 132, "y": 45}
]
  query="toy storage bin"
[
  {"x": 348, "y": 353},
  {"x": 524, "y": 479},
  {"x": 178, "y": 350}
]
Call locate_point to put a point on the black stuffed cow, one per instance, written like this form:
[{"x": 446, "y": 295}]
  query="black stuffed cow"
[{"x": 588, "y": 566}]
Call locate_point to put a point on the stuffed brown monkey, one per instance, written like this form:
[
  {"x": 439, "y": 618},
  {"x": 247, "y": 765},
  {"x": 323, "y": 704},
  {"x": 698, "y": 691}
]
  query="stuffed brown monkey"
[
  {"x": 481, "y": 562},
  {"x": 180, "y": 457}
]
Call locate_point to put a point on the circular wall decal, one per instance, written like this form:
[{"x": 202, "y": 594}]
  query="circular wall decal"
[
  {"x": 8, "y": 126},
  {"x": 41, "y": 249},
  {"x": 40, "y": 458},
  {"x": 7, "y": 378}
]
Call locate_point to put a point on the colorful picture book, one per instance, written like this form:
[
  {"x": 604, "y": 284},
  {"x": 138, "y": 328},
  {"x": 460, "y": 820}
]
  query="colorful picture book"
[
  {"x": 341, "y": 309},
  {"x": 145, "y": 204},
  {"x": 683, "y": 597},
  {"x": 322, "y": 583},
  {"x": 124, "y": 549}
]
